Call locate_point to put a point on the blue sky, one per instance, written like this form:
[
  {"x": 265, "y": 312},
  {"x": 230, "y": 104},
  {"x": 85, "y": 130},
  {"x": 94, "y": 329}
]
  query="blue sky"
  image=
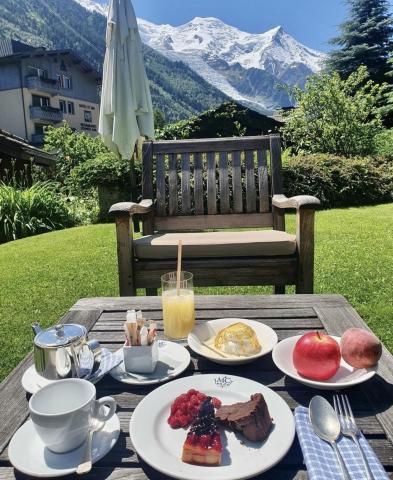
[{"x": 312, "y": 22}]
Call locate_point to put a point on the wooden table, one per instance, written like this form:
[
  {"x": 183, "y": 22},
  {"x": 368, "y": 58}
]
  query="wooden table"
[{"x": 288, "y": 315}]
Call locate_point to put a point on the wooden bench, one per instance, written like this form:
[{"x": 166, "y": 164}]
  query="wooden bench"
[{"x": 211, "y": 184}]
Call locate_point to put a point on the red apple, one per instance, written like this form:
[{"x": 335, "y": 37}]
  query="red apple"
[{"x": 316, "y": 356}]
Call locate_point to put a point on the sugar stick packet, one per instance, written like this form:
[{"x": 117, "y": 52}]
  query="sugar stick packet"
[{"x": 132, "y": 327}]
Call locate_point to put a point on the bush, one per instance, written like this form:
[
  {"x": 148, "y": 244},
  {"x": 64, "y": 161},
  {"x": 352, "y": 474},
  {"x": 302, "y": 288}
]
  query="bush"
[
  {"x": 384, "y": 144},
  {"x": 71, "y": 148},
  {"x": 339, "y": 181},
  {"x": 110, "y": 177},
  {"x": 106, "y": 169},
  {"x": 335, "y": 116},
  {"x": 30, "y": 211}
]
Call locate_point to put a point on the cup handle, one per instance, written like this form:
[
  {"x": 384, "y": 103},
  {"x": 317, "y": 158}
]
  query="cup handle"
[{"x": 99, "y": 412}]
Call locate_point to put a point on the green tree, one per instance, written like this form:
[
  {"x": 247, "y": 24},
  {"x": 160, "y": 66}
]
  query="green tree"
[
  {"x": 366, "y": 39},
  {"x": 159, "y": 119},
  {"x": 386, "y": 108},
  {"x": 334, "y": 115}
]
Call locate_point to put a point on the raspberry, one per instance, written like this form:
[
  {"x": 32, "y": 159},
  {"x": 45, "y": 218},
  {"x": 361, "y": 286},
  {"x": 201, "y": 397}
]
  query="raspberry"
[
  {"x": 183, "y": 420},
  {"x": 185, "y": 408},
  {"x": 173, "y": 422}
]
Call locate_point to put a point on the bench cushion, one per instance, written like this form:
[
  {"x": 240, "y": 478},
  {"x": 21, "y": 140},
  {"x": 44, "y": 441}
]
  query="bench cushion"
[{"x": 217, "y": 244}]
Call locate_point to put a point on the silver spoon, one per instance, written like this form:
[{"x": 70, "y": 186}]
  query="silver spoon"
[
  {"x": 327, "y": 426},
  {"x": 86, "y": 465}
]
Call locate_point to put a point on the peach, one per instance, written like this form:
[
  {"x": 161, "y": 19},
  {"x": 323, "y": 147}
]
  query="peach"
[{"x": 360, "y": 348}]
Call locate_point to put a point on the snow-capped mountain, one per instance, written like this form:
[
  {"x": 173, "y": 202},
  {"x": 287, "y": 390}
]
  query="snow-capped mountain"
[
  {"x": 211, "y": 37},
  {"x": 245, "y": 66}
]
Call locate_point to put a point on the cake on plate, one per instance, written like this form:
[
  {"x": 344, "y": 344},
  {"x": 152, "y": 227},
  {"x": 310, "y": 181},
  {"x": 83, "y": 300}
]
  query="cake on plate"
[
  {"x": 203, "y": 443},
  {"x": 251, "y": 418},
  {"x": 237, "y": 339}
]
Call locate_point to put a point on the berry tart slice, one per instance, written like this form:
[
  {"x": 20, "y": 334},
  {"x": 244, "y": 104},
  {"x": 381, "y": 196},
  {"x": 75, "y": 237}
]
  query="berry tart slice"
[{"x": 203, "y": 443}]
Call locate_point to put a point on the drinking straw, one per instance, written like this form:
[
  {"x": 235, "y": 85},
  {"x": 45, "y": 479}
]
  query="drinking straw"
[{"x": 179, "y": 251}]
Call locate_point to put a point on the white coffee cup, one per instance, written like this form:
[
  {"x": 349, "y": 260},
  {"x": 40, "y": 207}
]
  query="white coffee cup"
[{"x": 63, "y": 410}]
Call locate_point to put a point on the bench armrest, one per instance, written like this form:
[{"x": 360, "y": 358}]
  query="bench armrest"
[
  {"x": 298, "y": 202},
  {"x": 131, "y": 208},
  {"x": 305, "y": 206}
]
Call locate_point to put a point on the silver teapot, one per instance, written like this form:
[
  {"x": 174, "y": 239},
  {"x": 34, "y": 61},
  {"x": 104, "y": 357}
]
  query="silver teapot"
[{"x": 61, "y": 352}]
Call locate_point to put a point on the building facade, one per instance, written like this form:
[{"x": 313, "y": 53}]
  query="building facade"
[{"x": 40, "y": 87}]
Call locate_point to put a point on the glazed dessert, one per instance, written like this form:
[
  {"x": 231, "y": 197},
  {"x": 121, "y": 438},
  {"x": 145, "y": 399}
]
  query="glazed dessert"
[
  {"x": 237, "y": 339},
  {"x": 185, "y": 408},
  {"x": 251, "y": 418},
  {"x": 203, "y": 443}
]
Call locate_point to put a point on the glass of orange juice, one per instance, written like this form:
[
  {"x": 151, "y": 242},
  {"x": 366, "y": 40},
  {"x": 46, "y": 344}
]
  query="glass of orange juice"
[{"x": 178, "y": 305}]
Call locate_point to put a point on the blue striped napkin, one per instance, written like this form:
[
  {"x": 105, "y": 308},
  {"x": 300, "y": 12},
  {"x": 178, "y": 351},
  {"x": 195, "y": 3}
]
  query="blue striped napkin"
[
  {"x": 108, "y": 361},
  {"x": 320, "y": 459}
]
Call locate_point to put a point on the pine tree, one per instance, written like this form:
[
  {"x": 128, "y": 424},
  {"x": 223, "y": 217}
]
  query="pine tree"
[{"x": 366, "y": 39}]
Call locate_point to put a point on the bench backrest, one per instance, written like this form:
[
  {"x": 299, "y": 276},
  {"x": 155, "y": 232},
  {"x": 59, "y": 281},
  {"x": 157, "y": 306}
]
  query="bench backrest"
[{"x": 212, "y": 183}]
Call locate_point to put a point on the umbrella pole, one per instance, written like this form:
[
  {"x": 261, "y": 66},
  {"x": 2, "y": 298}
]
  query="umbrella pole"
[{"x": 134, "y": 195}]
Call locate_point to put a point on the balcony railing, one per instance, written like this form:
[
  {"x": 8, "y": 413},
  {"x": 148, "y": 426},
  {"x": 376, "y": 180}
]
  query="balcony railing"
[
  {"x": 48, "y": 114},
  {"x": 37, "y": 139},
  {"x": 43, "y": 84}
]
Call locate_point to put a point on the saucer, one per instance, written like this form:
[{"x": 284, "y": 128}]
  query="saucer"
[
  {"x": 33, "y": 381},
  {"x": 173, "y": 359},
  {"x": 28, "y": 454}
]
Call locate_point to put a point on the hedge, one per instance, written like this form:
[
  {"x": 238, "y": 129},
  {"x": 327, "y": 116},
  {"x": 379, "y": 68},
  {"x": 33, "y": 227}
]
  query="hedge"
[
  {"x": 339, "y": 181},
  {"x": 336, "y": 181}
]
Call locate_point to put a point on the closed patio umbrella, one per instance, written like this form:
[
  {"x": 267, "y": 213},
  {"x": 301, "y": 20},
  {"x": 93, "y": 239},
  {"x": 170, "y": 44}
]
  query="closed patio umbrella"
[{"x": 126, "y": 107}]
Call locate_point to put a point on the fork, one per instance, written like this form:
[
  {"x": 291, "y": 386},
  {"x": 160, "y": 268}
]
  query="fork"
[{"x": 349, "y": 427}]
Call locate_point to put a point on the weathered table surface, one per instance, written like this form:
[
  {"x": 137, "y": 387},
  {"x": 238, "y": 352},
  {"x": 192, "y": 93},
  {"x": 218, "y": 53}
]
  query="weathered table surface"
[{"x": 288, "y": 315}]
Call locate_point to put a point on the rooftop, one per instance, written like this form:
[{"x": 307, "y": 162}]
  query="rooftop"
[
  {"x": 13, "y": 146},
  {"x": 12, "y": 50}
]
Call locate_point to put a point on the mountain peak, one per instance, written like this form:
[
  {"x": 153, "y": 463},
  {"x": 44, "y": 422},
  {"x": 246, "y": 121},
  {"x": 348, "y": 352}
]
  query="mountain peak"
[
  {"x": 206, "y": 21},
  {"x": 279, "y": 30}
]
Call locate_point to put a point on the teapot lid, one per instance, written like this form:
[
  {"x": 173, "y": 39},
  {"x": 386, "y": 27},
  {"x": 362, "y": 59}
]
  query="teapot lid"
[{"x": 60, "y": 335}]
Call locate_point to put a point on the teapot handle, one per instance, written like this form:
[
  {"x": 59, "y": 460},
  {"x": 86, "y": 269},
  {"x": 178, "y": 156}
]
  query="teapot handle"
[{"x": 95, "y": 348}]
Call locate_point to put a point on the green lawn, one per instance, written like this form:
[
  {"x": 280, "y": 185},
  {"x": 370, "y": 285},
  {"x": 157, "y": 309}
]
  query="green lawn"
[{"x": 41, "y": 277}]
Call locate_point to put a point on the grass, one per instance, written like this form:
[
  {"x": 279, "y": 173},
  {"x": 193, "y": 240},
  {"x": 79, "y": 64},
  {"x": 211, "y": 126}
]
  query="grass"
[{"x": 42, "y": 276}]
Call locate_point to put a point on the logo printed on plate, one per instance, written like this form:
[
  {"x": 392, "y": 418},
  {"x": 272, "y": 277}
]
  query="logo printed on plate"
[{"x": 223, "y": 382}]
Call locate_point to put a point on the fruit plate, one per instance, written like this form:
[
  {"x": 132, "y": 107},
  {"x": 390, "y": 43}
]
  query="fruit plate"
[
  {"x": 204, "y": 332},
  {"x": 161, "y": 446},
  {"x": 346, "y": 376}
]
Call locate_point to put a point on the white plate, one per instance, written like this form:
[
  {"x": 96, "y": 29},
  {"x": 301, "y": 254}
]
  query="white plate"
[
  {"x": 173, "y": 359},
  {"x": 205, "y": 331},
  {"x": 346, "y": 376},
  {"x": 161, "y": 446},
  {"x": 29, "y": 455},
  {"x": 33, "y": 381}
]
